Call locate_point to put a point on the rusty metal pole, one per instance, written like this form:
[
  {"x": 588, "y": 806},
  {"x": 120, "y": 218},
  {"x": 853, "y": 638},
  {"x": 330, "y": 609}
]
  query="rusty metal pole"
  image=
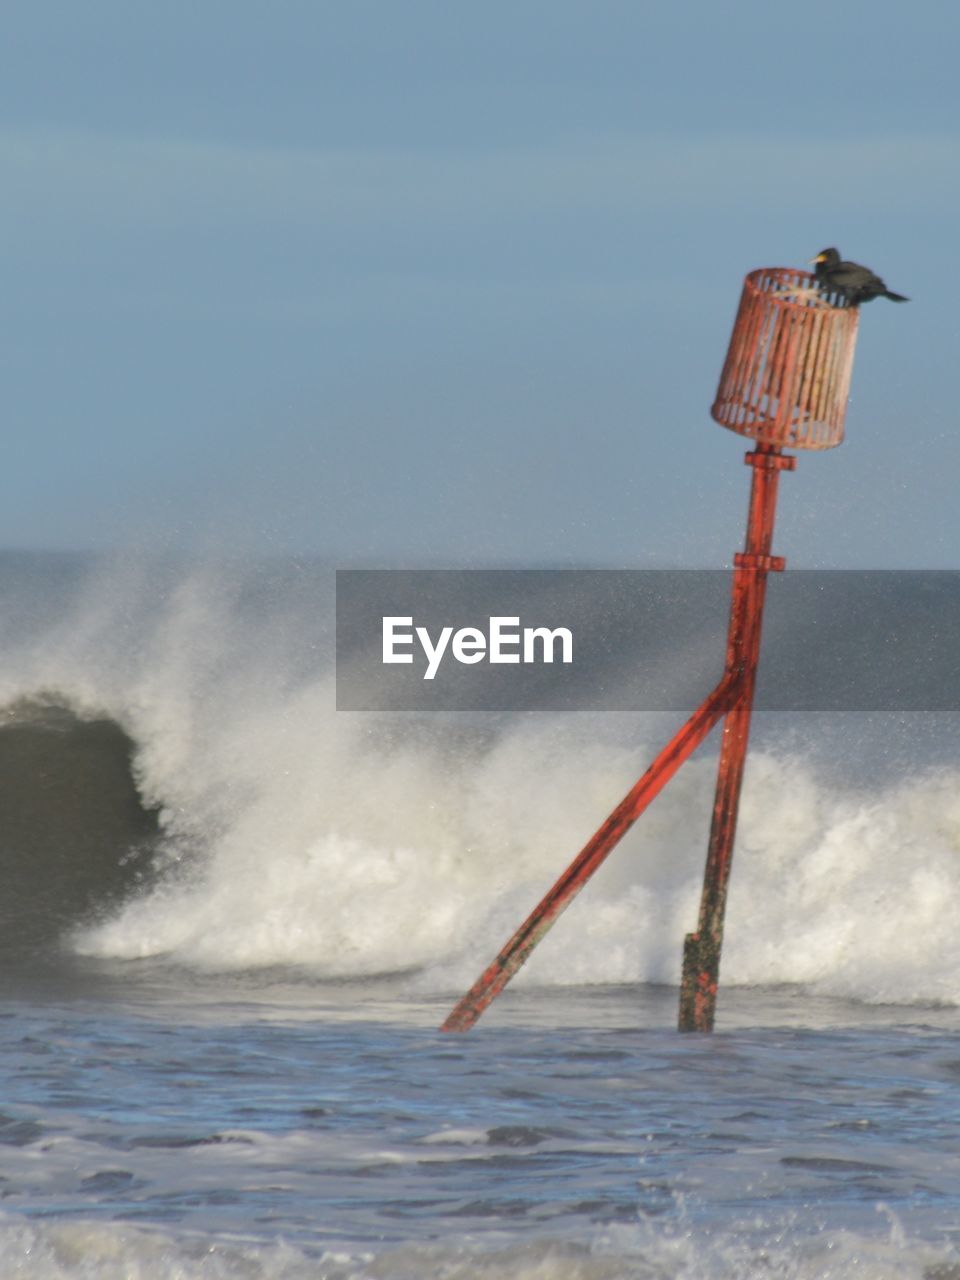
[
  {"x": 701, "y": 953},
  {"x": 496, "y": 976},
  {"x": 785, "y": 383}
]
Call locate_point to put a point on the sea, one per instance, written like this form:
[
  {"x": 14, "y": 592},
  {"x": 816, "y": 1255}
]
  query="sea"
[{"x": 234, "y": 918}]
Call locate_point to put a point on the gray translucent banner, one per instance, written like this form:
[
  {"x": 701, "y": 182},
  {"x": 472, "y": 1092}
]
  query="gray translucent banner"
[{"x": 642, "y": 640}]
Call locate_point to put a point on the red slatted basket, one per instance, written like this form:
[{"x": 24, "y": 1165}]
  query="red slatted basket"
[{"x": 786, "y": 380}]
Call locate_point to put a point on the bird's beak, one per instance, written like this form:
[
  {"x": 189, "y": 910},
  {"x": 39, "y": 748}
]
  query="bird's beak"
[{"x": 814, "y": 261}]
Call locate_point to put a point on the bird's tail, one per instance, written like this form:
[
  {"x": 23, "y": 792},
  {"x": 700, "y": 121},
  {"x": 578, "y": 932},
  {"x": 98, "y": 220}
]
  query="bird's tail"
[{"x": 895, "y": 297}]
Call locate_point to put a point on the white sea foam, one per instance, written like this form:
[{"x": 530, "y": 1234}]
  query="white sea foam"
[
  {"x": 356, "y": 845},
  {"x": 649, "y": 1251}
]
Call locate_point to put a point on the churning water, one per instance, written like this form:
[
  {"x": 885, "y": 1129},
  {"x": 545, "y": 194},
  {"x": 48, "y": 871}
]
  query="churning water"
[{"x": 233, "y": 919}]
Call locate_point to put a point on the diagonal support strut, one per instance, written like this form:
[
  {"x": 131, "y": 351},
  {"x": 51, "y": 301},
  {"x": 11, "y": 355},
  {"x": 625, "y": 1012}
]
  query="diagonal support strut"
[{"x": 733, "y": 699}]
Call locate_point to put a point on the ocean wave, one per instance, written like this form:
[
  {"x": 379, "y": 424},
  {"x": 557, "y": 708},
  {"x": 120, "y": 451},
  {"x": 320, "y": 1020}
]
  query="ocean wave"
[{"x": 284, "y": 833}]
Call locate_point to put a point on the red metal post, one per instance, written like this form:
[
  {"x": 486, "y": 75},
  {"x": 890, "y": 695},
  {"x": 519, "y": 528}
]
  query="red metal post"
[
  {"x": 785, "y": 383},
  {"x": 701, "y": 953},
  {"x": 492, "y": 981}
]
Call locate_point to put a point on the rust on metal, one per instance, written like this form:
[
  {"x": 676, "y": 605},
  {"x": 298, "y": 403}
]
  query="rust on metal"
[
  {"x": 786, "y": 379},
  {"x": 494, "y": 978},
  {"x": 785, "y": 383},
  {"x": 701, "y": 954}
]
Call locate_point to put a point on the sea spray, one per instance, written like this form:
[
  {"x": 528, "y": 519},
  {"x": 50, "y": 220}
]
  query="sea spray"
[{"x": 349, "y": 845}]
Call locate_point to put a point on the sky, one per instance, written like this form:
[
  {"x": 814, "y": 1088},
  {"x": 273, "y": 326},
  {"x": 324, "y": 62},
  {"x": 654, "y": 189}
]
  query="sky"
[{"x": 419, "y": 282}]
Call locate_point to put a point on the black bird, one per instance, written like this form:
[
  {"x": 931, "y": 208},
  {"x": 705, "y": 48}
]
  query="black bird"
[{"x": 855, "y": 283}]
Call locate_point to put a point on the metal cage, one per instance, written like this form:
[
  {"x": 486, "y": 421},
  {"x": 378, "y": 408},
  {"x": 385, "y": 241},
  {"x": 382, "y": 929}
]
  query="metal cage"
[{"x": 786, "y": 379}]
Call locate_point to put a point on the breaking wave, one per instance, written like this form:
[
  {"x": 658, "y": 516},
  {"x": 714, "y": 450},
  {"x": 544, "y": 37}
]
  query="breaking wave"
[{"x": 184, "y": 790}]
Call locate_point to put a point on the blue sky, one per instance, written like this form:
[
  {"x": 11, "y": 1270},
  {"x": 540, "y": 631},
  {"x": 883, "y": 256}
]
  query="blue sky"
[{"x": 433, "y": 282}]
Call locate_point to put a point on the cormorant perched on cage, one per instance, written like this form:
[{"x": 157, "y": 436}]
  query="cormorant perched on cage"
[{"x": 855, "y": 283}]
